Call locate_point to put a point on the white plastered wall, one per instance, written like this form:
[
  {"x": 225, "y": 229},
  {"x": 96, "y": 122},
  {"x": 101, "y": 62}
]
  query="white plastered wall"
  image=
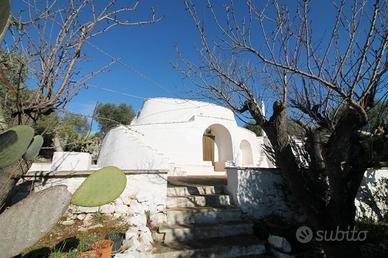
[{"x": 168, "y": 133}]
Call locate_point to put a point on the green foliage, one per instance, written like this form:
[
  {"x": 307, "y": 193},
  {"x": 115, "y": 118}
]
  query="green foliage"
[
  {"x": 109, "y": 115},
  {"x": 99, "y": 217},
  {"x": 4, "y": 16},
  {"x": 75, "y": 123},
  {"x": 15, "y": 68},
  {"x": 34, "y": 148},
  {"x": 101, "y": 187},
  {"x": 14, "y": 143},
  {"x": 71, "y": 129},
  {"x": 252, "y": 126}
]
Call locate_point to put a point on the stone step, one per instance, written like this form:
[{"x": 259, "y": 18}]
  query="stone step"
[
  {"x": 202, "y": 215},
  {"x": 185, "y": 232},
  {"x": 194, "y": 190},
  {"x": 216, "y": 200},
  {"x": 227, "y": 247}
]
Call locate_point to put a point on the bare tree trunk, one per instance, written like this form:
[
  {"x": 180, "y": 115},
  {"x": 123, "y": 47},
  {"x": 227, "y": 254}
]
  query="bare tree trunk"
[
  {"x": 326, "y": 189},
  {"x": 57, "y": 143}
]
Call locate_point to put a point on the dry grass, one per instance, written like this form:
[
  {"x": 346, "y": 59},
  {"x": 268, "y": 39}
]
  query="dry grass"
[{"x": 69, "y": 241}]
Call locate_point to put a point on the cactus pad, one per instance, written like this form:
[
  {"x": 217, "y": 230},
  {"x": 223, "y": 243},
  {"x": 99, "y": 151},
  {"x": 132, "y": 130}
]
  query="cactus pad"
[
  {"x": 14, "y": 143},
  {"x": 24, "y": 223},
  {"x": 101, "y": 187},
  {"x": 34, "y": 148}
]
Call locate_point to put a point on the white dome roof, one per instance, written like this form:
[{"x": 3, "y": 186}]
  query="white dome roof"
[{"x": 169, "y": 110}]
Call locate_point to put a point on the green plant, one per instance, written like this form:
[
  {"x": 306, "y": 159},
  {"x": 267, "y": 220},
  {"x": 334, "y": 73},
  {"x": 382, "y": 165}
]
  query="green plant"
[
  {"x": 21, "y": 229},
  {"x": 101, "y": 187},
  {"x": 99, "y": 217},
  {"x": 147, "y": 213},
  {"x": 14, "y": 143},
  {"x": 24, "y": 223},
  {"x": 34, "y": 148}
]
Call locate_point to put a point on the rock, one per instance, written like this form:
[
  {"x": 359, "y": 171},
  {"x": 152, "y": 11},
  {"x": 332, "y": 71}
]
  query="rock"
[
  {"x": 118, "y": 215},
  {"x": 68, "y": 222},
  {"x": 143, "y": 196},
  {"x": 107, "y": 209},
  {"x": 160, "y": 207},
  {"x": 139, "y": 239},
  {"x": 279, "y": 254},
  {"x": 136, "y": 207},
  {"x": 95, "y": 226},
  {"x": 119, "y": 201},
  {"x": 121, "y": 209},
  {"x": 88, "y": 220},
  {"x": 137, "y": 220},
  {"x": 279, "y": 243},
  {"x": 158, "y": 218},
  {"x": 82, "y": 229},
  {"x": 127, "y": 200},
  {"x": 145, "y": 238},
  {"x": 78, "y": 209},
  {"x": 81, "y": 216},
  {"x": 130, "y": 234}
]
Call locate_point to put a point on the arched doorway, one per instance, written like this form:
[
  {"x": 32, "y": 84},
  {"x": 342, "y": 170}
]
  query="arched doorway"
[
  {"x": 246, "y": 153},
  {"x": 217, "y": 146}
]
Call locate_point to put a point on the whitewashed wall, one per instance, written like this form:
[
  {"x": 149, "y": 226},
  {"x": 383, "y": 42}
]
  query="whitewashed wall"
[
  {"x": 70, "y": 161},
  {"x": 372, "y": 198},
  {"x": 168, "y": 133},
  {"x": 260, "y": 193}
]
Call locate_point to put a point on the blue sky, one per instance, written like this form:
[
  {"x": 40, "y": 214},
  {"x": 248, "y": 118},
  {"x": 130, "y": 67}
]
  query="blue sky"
[{"x": 150, "y": 51}]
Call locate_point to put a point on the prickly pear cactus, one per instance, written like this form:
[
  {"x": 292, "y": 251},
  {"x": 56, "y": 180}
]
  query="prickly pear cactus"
[
  {"x": 24, "y": 223},
  {"x": 101, "y": 187},
  {"x": 34, "y": 148},
  {"x": 4, "y": 18},
  {"x": 14, "y": 143}
]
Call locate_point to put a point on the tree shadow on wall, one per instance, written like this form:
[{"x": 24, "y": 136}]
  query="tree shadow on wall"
[{"x": 373, "y": 192}]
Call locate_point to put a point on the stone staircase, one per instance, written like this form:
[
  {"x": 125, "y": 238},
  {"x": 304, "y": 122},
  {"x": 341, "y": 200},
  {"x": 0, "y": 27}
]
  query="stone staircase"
[{"x": 202, "y": 222}]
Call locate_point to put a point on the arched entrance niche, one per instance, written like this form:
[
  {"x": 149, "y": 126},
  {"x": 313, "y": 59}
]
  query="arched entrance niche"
[
  {"x": 217, "y": 146},
  {"x": 246, "y": 153}
]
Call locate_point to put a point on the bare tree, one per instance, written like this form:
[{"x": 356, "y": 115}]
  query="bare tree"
[
  {"x": 50, "y": 36},
  {"x": 325, "y": 83},
  {"x": 40, "y": 71}
]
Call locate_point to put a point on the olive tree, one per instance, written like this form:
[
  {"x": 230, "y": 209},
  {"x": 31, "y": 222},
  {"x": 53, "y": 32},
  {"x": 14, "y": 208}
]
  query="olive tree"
[
  {"x": 327, "y": 84},
  {"x": 52, "y": 35}
]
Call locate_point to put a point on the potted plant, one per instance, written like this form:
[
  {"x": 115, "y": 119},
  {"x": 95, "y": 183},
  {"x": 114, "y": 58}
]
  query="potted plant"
[
  {"x": 91, "y": 254},
  {"x": 104, "y": 247}
]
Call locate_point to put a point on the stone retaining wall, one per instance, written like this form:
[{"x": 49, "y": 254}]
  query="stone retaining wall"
[
  {"x": 145, "y": 195},
  {"x": 261, "y": 193},
  {"x": 372, "y": 197}
]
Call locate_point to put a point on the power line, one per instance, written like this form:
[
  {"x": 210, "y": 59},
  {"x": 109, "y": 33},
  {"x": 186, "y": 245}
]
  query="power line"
[
  {"x": 131, "y": 69},
  {"x": 115, "y": 91}
]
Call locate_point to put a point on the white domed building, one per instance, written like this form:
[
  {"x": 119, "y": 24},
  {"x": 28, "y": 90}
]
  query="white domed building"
[{"x": 186, "y": 137}]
